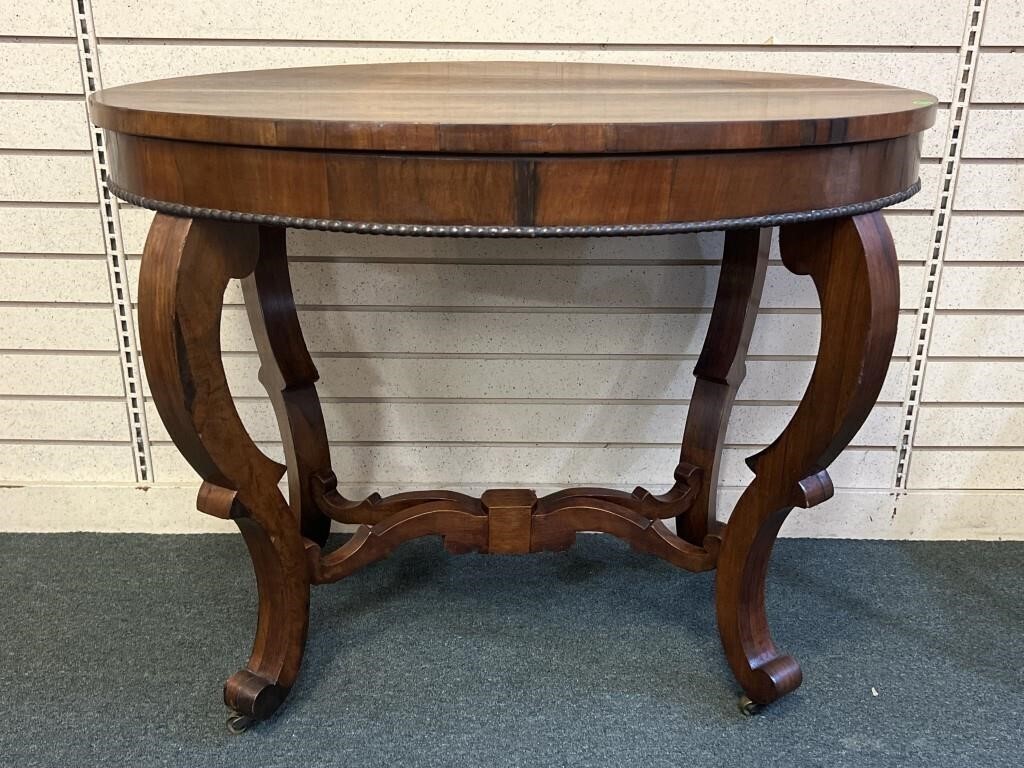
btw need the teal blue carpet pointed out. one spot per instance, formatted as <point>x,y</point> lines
<point>113,650</point>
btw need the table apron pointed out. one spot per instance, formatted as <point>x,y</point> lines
<point>514,191</point>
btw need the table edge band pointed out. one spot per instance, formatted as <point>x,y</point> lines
<point>182,210</point>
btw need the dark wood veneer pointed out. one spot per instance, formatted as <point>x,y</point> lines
<point>506,107</point>
<point>512,190</point>
<point>578,145</point>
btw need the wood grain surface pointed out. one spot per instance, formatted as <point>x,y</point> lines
<point>506,190</point>
<point>513,107</point>
<point>294,144</point>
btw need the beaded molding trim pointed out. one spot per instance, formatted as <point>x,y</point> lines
<point>468,230</point>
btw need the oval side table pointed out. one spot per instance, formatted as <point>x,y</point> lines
<point>479,149</point>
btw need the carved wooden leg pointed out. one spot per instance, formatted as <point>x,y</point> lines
<point>719,371</point>
<point>288,373</point>
<point>185,268</point>
<point>853,264</point>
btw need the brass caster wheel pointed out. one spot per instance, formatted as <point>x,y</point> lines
<point>240,723</point>
<point>749,707</point>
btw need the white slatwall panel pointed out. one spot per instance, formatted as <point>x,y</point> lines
<point>62,413</point>
<point>576,22</point>
<point>475,363</point>
<point>493,378</point>
<point>128,62</point>
<point>50,68</point>
<point>41,122</point>
<point>971,427</point>
<point>43,18</point>
<point>541,286</point>
<point>1005,25</point>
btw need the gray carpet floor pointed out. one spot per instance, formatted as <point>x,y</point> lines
<point>113,650</point>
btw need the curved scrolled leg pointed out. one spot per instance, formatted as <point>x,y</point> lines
<point>185,268</point>
<point>720,370</point>
<point>853,264</point>
<point>289,376</point>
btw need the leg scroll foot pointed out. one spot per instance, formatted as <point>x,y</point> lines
<point>186,267</point>
<point>853,264</point>
<point>252,696</point>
